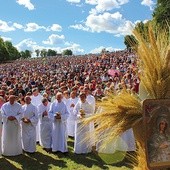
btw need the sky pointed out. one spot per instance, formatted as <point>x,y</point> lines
<point>83,26</point>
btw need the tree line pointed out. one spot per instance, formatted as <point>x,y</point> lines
<point>8,52</point>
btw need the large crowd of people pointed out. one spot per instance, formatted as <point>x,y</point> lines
<point>45,99</point>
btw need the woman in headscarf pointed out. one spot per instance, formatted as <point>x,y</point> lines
<point>159,145</point>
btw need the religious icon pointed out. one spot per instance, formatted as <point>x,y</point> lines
<point>157,132</point>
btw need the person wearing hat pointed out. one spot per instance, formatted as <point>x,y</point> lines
<point>159,144</point>
<point>11,133</point>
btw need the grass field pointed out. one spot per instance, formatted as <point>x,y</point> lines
<point>41,160</point>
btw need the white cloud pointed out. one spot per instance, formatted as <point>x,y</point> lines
<point>107,5</point>
<point>18,26</point>
<point>138,21</point>
<point>29,44</point>
<point>26,44</point>
<point>99,49</point>
<point>5,27</point>
<point>106,22</point>
<point>32,27</point>
<point>75,48</point>
<point>26,3</point>
<point>79,27</point>
<point>73,1</point>
<point>145,21</point>
<point>54,39</point>
<point>6,38</point>
<point>148,3</point>
<point>125,28</point>
<point>101,21</point>
<point>54,27</point>
<point>91,2</point>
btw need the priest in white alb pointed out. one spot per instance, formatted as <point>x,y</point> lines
<point>59,114</point>
<point>36,101</point>
<point>84,139</point>
<point>11,131</point>
<point>28,126</point>
<point>45,124</point>
<point>71,119</point>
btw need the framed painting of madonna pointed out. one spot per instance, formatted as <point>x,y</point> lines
<point>157,132</point>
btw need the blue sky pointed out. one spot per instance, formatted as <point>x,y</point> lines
<point>84,26</point>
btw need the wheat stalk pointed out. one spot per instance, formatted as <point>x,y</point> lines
<point>124,110</point>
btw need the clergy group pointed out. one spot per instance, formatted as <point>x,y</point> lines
<point>50,124</point>
<point>47,123</point>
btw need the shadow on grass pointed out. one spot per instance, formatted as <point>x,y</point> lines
<point>35,161</point>
<point>42,160</point>
<point>117,159</point>
<point>6,165</point>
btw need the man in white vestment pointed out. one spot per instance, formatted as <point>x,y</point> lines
<point>59,114</point>
<point>45,124</point>
<point>90,98</point>
<point>83,137</point>
<point>11,132</point>
<point>28,126</point>
<point>36,99</point>
<point>71,119</point>
<point>66,97</point>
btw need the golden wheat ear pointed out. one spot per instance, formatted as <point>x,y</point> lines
<point>154,61</point>
<point>124,111</point>
<point>117,114</point>
<point>139,159</point>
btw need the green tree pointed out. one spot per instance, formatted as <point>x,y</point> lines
<point>67,52</point>
<point>43,53</point>
<point>161,14</point>
<point>25,54</point>
<point>37,51</point>
<point>51,52</point>
<point>28,53</point>
<point>22,54</point>
<point>130,42</point>
<point>4,54</point>
<point>13,52</point>
<point>142,28</point>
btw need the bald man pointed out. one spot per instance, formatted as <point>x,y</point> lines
<point>11,133</point>
<point>28,126</point>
